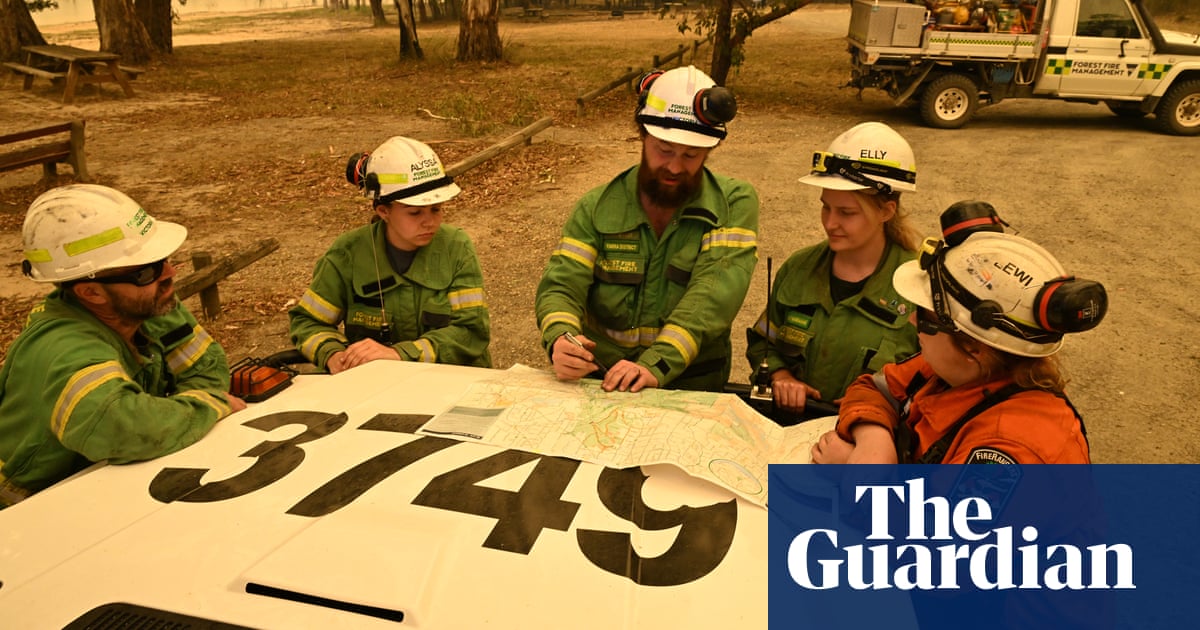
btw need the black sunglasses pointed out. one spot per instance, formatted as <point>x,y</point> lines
<point>929,324</point>
<point>142,276</point>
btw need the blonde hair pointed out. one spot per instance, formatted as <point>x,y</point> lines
<point>897,229</point>
<point>1029,372</point>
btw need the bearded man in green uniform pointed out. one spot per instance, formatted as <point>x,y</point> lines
<point>111,366</point>
<point>652,267</point>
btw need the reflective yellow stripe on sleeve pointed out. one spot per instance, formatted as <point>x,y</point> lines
<point>681,340</point>
<point>561,317</point>
<point>217,403</point>
<point>310,345</point>
<point>185,355</point>
<point>729,237</point>
<point>428,354</point>
<point>320,308</point>
<point>467,298</point>
<point>78,387</point>
<point>578,251</point>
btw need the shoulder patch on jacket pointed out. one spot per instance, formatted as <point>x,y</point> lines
<point>989,456</point>
<point>878,311</point>
<point>704,214</point>
<point>175,335</point>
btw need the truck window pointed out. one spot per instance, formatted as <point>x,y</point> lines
<point>1106,18</point>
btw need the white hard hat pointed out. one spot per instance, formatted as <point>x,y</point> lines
<point>684,106</point>
<point>870,156</point>
<point>1002,290</point>
<point>74,231</point>
<point>402,169</point>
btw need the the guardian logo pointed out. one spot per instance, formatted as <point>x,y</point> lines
<point>938,544</point>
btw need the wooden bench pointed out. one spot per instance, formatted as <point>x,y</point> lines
<point>130,71</point>
<point>30,72</point>
<point>50,153</point>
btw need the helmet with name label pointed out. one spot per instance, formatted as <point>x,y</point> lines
<point>1003,290</point>
<point>402,169</point>
<point>870,157</point>
<point>684,106</point>
<point>73,232</point>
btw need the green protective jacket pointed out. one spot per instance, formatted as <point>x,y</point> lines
<point>436,311</point>
<point>828,345</point>
<point>72,392</point>
<point>666,302</point>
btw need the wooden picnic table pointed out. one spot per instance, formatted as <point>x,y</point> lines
<point>76,65</point>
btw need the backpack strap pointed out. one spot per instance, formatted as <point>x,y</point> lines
<point>904,436</point>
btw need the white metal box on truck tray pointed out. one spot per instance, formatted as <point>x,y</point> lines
<point>883,23</point>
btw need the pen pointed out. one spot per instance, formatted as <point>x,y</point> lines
<point>599,366</point>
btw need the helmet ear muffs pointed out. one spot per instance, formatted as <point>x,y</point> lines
<point>714,106</point>
<point>356,168</point>
<point>643,86</point>
<point>965,218</point>
<point>985,313</point>
<point>1069,305</point>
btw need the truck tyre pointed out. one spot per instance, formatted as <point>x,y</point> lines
<point>1178,112</point>
<point>949,101</point>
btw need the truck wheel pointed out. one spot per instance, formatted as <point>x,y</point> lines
<point>1179,111</point>
<point>949,101</point>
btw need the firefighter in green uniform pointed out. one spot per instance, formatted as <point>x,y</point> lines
<point>406,287</point>
<point>653,266</point>
<point>833,312</point>
<point>110,366</point>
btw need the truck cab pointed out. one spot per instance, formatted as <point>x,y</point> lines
<point>971,53</point>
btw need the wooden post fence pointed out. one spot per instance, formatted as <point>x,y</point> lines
<point>207,274</point>
<point>625,79</point>
<point>523,136</point>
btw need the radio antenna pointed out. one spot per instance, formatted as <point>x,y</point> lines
<point>762,380</point>
<point>385,331</point>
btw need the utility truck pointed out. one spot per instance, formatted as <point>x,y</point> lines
<point>950,57</point>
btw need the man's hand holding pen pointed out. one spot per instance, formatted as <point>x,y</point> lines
<point>573,359</point>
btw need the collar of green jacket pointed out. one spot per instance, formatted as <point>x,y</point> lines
<point>61,304</point>
<point>878,300</point>
<point>431,267</point>
<point>619,210</point>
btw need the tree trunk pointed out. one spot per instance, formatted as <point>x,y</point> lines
<point>17,29</point>
<point>450,9</point>
<point>722,56</point>
<point>122,32</point>
<point>156,17</point>
<point>377,17</point>
<point>479,31</point>
<point>410,46</point>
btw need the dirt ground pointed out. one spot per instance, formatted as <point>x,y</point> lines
<point>1112,199</point>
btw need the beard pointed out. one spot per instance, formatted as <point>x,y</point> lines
<point>139,309</point>
<point>667,196</point>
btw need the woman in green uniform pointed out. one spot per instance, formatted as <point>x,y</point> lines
<point>406,287</point>
<point>833,313</point>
